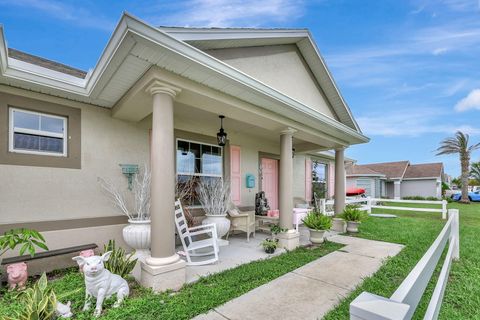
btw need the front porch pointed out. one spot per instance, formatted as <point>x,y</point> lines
<point>182,117</point>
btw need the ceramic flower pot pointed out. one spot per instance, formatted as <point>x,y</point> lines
<point>339,225</point>
<point>317,236</point>
<point>270,250</point>
<point>137,234</point>
<point>352,226</point>
<point>221,222</point>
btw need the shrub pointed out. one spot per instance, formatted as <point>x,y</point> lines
<point>119,263</point>
<point>420,198</point>
<point>29,239</point>
<point>39,302</point>
<point>269,244</point>
<point>317,221</point>
<point>352,213</point>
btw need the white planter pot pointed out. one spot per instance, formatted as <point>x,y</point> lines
<point>137,234</point>
<point>317,236</point>
<point>222,223</point>
<point>339,225</point>
<point>352,226</point>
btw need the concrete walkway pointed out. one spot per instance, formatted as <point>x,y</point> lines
<point>309,292</point>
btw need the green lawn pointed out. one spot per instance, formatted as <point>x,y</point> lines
<point>417,231</point>
<point>190,301</point>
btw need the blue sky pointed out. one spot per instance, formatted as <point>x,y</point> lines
<point>409,70</point>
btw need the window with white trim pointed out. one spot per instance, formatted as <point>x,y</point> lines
<point>37,133</point>
<point>197,161</point>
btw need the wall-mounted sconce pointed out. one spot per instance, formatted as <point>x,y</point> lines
<point>293,152</point>
<point>129,170</point>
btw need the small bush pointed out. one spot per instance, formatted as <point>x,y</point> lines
<point>353,213</point>
<point>119,263</point>
<point>40,302</point>
<point>317,221</point>
<point>420,198</point>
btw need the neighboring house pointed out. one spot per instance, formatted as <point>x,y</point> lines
<point>397,179</point>
<point>154,98</point>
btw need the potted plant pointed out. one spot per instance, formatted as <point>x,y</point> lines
<point>353,215</point>
<point>137,233</point>
<point>317,223</point>
<point>214,196</point>
<point>270,245</point>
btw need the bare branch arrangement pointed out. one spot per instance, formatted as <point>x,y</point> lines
<point>185,192</point>
<point>214,195</point>
<point>140,209</point>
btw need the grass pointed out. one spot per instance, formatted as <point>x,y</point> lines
<point>191,300</point>
<point>417,231</point>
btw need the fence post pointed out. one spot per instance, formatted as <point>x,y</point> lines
<point>444,209</point>
<point>368,306</point>
<point>369,205</point>
<point>323,206</point>
<point>455,233</point>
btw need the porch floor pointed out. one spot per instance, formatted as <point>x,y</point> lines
<point>308,292</point>
<point>239,252</point>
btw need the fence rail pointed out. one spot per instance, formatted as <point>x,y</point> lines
<point>366,204</point>
<point>404,301</point>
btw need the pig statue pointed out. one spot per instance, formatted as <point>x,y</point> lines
<point>85,254</point>
<point>63,310</point>
<point>17,275</point>
<point>101,283</point>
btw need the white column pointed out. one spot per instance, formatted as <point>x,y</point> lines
<point>339,180</point>
<point>290,239</point>
<point>163,269</point>
<point>397,190</point>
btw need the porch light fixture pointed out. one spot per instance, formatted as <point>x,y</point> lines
<point>221,135</point>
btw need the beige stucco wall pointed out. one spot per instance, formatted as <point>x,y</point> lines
<point>281,67</point>
<point>29,194</point>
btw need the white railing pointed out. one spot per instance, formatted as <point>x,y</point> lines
<point>404,301</point>
<point>368,203</point>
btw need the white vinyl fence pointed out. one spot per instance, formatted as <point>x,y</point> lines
<point>404,301</point>
<point>368,203</point>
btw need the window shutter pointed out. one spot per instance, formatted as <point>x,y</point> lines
<point>308,180</point>
<point>235,175</point>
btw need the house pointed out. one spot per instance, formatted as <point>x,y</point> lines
<point>155,97</point>
<point>397,179</point>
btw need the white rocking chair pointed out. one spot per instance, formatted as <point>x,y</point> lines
<point>191,246</point>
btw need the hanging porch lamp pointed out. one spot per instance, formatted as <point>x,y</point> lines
<point>221,135</point>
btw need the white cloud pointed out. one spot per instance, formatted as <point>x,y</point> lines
<point>411,123</point>
<point>471,101</point>
<point>229,13</point>
<point>76,14</point>
<point>439,51</point>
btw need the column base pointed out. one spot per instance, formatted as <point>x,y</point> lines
<point>160,278</point>
<point>289,240</point>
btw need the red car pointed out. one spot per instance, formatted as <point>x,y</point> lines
<point>355,191</point>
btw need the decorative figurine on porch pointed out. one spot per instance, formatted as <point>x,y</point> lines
<point>17,275</point>
<point>101,283</point>
<point>261,204</point>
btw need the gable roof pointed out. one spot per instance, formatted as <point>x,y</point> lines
<point>221,38</point>
<point>424,170</point>
<point>391,170</point>
<point>398,170</point>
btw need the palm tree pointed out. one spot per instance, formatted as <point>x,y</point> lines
<point>475,172</point>
<point>459,144</point>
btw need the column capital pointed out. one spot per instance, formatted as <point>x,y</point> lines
<point>341,148</point>
<point>158,87</point>
<point>289,131</point>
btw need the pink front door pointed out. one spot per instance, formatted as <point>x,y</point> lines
<point>270,181</point>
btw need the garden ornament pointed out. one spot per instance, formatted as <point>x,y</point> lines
<point>63,310</point>
<point>85,254</point>
<point>17,275</point>
<point>101,283</point>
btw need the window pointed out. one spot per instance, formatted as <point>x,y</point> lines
<point>319,179</point>
<point>37,133</point>
<point>196,161</point>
